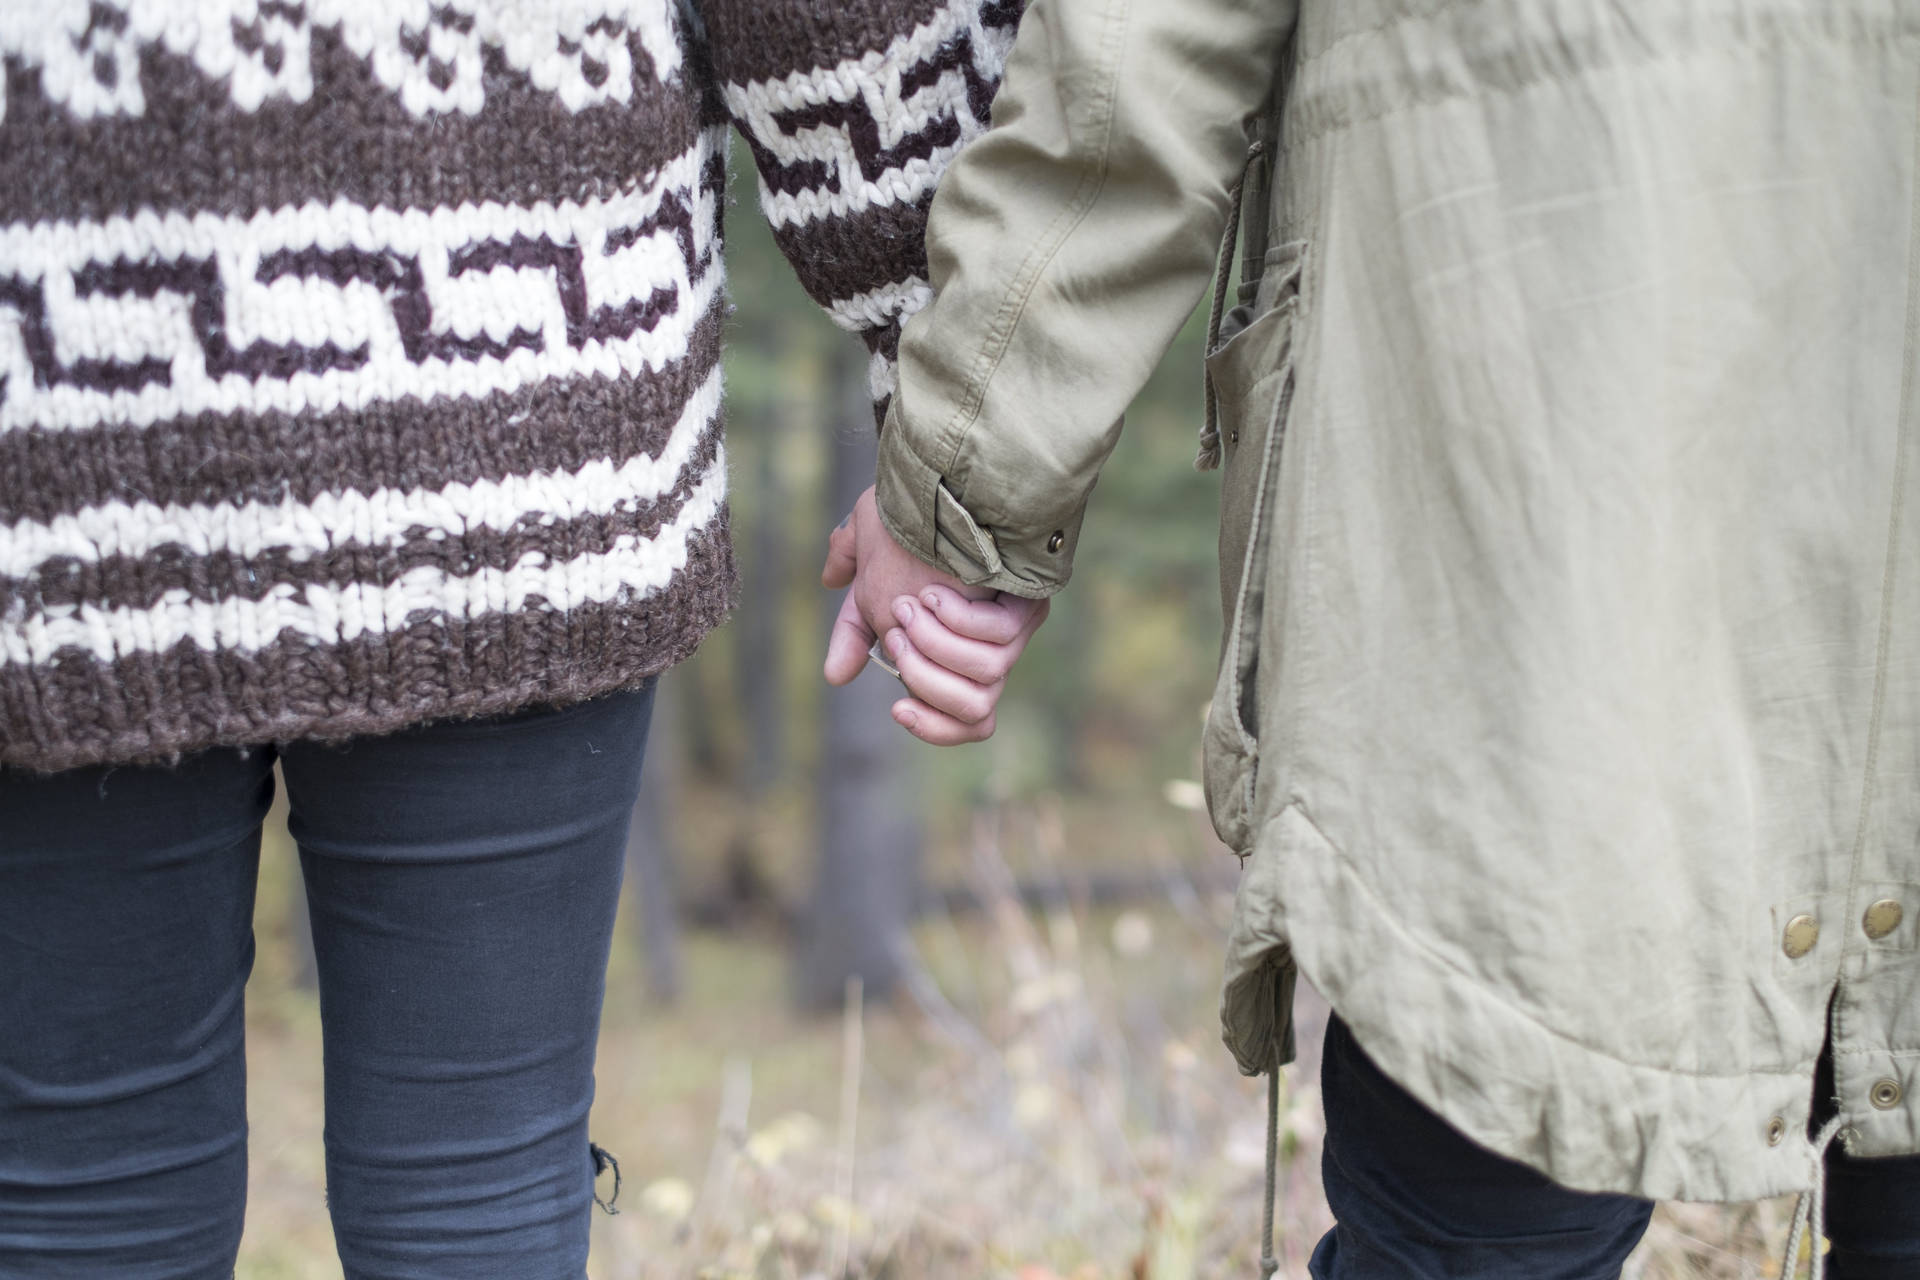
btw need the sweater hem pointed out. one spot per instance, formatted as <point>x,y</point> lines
<point>157,708</point>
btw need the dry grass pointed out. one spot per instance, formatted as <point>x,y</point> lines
<point>1048,1103</point>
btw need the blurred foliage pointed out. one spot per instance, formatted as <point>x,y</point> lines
<point>1108,700</point>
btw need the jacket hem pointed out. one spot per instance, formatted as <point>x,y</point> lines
<point>1586,1119</point>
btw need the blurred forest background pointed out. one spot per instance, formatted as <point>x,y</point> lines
<point>878,1010</point>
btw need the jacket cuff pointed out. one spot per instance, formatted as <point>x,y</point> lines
<point>921,512</point>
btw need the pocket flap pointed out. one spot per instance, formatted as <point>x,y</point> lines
<point>1256,997</point>
<point>1257,351</point>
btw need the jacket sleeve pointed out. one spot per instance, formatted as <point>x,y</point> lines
<point>1067,246</point>
<point>852,110</point>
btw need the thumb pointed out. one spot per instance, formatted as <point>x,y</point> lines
<point>848,645</point>
<point>842,557</point>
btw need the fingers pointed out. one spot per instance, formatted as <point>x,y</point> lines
<point>955,644</point>
<point>848,646</point>
<point>977,660</point>
<point>999,620</point>
<point>842,557</point>
<point>966,701</point>
<point>937,728</point>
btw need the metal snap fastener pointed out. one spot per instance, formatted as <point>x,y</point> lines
<point>1802,932</point>
<point>1776,1130</point>
<point>1057,541</point>
<point>1885,1094</point>
<point>1882,918</point>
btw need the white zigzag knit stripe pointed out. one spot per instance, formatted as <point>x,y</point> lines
<point>310,312</point>
<point>903,185</point>
<point>878,308</point>
<point>874,83</point>
<point>633,569</point>
<point>384,517</point>
<point>429,52</point>
<point>883,376</point>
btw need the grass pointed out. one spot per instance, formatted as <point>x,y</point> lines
<point>1051,1103</point>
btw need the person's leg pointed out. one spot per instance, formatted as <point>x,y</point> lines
<point>1872,1206</point>
<point>462,880</point>
<point>1873,1217</point>
<point>126,937</point>
<point>1417,1200</point>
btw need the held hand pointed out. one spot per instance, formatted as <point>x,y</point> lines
<point>953,644</point>
<point>954,655</point>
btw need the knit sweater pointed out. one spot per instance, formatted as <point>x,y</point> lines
<point>359,358</point>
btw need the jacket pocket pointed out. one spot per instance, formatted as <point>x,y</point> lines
<point>1252,376</point>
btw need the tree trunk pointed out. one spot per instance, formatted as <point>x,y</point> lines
<point>867,873</point>
<point>651,847</point>
<point>758,625</point>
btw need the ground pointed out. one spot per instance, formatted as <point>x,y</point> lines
<point>1048,1101</point>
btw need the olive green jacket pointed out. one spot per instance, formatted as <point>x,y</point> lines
<point>1569,716</point>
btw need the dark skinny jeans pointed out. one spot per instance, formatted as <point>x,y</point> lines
<point>1418,1200</point>
<point>461,881</point>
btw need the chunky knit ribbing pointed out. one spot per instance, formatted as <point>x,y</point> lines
<point>358,358</point>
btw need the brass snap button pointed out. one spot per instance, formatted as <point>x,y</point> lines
<point>1882,918</point>
<point>1802,932</point>
<point>1776,1130</point>
<point>1885,1094</point>
<point>1057,541</point>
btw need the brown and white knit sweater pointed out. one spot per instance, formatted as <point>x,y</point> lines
<point>359,358</point>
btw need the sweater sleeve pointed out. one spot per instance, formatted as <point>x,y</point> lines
<point>852,110</point>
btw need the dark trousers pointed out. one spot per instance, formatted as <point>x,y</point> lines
<point>1417,1200</point>
<point>461,881</point>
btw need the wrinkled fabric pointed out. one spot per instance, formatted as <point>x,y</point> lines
<point>1581,637</point>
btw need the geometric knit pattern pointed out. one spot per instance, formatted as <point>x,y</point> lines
<point>359,358</point>
<point>848,155</point>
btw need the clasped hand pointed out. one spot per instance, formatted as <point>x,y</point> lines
<point>953,644</point>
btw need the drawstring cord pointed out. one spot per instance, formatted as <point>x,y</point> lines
<point>1810,1211</point>
<point>1268,1263</point>
<point>1209,457</point>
